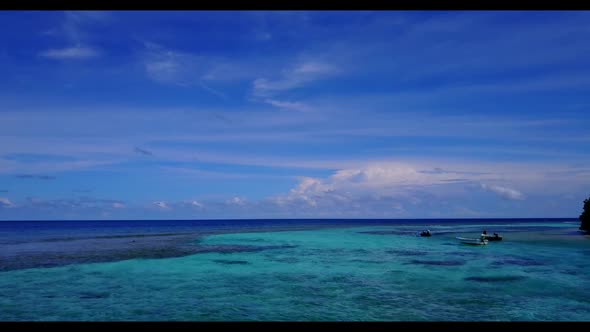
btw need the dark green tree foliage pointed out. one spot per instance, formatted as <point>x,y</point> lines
<point>585,216</point>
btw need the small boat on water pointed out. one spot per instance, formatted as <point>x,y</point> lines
<point>494,237</point>
<point>472,241</point>
<point>425,233</point>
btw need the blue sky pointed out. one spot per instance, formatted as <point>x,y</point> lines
<point>251,114</point>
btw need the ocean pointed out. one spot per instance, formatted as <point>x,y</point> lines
<point>293,270</point>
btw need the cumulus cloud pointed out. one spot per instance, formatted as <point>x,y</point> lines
<point>5,203</point>
<point>391,187</point>
<point>504,192</point>
<point>308,191</point>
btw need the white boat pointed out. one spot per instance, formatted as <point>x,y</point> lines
<point>472,241</point>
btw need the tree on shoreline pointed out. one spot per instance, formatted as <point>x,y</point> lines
<point>585,216</point>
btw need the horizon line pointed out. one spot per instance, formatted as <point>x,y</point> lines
<point>303,219</point>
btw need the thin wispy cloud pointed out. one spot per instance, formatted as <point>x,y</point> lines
<point>196,204</point>
<point>292,106</point>
<point>5,203</point>
<point>11,167</point>
<point>179,206</point>
<point>295,77</point>
<point>161,205</point>
<point>78,203</point>
<point>166,66</point>
<point>504,192</point>
<point>179,68</point>
<point>82,190</point>
<point>118,205</point>
<point>236,201</point>
<point>211,90</point>
<point>71,53</point>
<point>73,30</point>
<point>457,49</point>
<point>143,151</point>
<point>39,177</point>
<point>196,173</point>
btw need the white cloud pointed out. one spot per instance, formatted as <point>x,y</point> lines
<point>293,106</point>
<point>161,205</point>
<point>212,91</point>
<point>400,184</point>
<point>314,68</point>
<point>172,66</point>
<point>74,52</point>
<point>5,203</point>
<point>236,201</point>
<point>118,205</point>
<point>11,166</point>
<point>293,78</point>
<point>503,192</point>
<point>167,66</point>
<point>388,190</point>
<point>180,68</point>
<point>382,174</point>
<point>307,191</point>
<point>197,204</point>
<point>76,36</point>
<point>162,70</point>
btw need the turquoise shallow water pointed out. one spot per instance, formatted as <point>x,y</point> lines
<point>374,273</point>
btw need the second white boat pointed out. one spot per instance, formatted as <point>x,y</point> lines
<point>472,241</point>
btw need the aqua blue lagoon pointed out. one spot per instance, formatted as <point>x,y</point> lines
<point>293,270</point>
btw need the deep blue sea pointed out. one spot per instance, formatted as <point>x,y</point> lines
<point>293,270</point>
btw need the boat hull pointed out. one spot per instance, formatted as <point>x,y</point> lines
<point>476,242</point>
